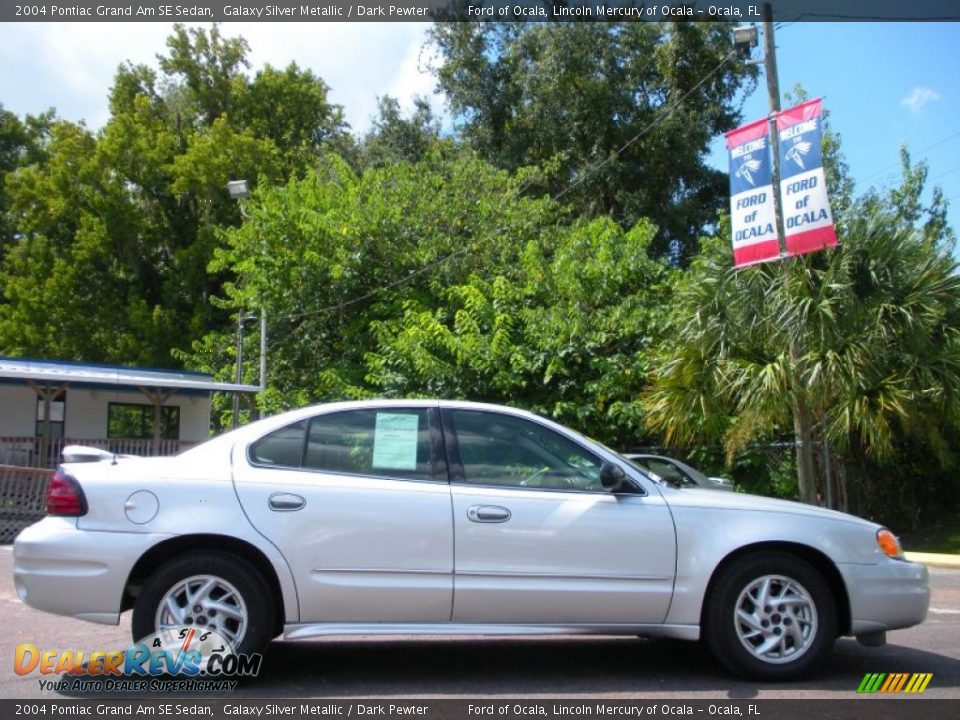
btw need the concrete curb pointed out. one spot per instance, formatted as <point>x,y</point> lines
<point>937,560</point>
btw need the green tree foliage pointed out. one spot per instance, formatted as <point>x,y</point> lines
<point>208,67</point>
<point>876,322</point>
<point>395,138</point>
<point>111,234</point>
<point>330,255</point>
<point>441,279</point>
<point>563,330</point>
<point>68,289</point>
<point>21,144</point>
<point>582,98</point>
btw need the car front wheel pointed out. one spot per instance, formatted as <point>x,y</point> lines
<point>772,616</point>
<point>209,591</point>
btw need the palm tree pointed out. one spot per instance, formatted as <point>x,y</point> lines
<point>858,346</point>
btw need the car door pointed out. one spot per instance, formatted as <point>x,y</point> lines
<point>359,504</point>
<point>537,537</point>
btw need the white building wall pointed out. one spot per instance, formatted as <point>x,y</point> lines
<point>194,417</point>
<point>18,411</point>
<point>86,412</point>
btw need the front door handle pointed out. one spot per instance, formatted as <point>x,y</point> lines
<point>286,502</point>
<point>488,513</point>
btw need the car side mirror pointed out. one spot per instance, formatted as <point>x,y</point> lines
<point>613,478</point>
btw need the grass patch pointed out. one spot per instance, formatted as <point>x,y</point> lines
<point>935,539</point>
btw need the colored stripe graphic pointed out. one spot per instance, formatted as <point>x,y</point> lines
<point>918,683</point>
<point>871,682</point>
<point>894,683</point>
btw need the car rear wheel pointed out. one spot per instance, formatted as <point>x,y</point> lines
<point>210,591</point>
<point>771,615</point>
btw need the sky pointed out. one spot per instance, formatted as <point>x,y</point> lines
<point>884,84</point>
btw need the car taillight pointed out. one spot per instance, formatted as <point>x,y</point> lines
<point>65,497</point>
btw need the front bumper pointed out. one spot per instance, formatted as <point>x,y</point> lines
<point>60,569</point>
<point>889,595</point>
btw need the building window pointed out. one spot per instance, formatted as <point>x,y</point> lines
<point>128,420</point>
<point>58,408</point>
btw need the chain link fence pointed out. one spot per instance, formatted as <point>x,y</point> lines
<point>771,469</point>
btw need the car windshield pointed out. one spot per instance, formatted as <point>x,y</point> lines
<point>646,471</point>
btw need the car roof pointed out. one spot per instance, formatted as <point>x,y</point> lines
<point>274,422</point>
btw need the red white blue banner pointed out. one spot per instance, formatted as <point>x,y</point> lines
<point>752,214</point>
<point>807,220</point>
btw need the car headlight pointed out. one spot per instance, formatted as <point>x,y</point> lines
<point>889,544</point>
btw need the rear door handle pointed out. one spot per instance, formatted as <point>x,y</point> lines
<point>488,513</point>
<point>286,502</point>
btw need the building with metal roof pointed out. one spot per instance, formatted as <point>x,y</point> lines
<point>45,404</point>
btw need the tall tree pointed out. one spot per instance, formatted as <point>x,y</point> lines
<point>877,320</point>
<point>138,207</point>
<point>332,254</point>
<point>622,112</point>
<point>440,278</point>
<point>395,138</point>
<point>205,66</point>
<point>22,144</point>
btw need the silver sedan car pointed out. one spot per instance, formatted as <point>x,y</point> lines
<point>676,473</point>
<point>433,517</point>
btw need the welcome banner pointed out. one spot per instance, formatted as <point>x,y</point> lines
<point>807,220</point>
<point>752,214</point>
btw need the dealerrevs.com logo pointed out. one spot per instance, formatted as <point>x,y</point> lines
<point>894,682</point>
<point>177,659</point>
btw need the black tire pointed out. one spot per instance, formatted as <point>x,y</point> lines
<point>802,628</point>
<point>253,592</point>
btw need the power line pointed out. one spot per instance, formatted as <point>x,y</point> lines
<point>656,121</point>
<point>922,150</point>
<point>588,173</point>
<point>945,172</point>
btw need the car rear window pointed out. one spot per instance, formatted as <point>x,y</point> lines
<point>283,447</point>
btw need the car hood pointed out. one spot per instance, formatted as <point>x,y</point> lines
<point>707,498</point>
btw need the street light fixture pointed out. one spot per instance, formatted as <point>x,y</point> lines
<point>238,189</point>
<point>745,39</point>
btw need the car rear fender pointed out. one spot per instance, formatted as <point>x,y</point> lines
<point>170,498</point>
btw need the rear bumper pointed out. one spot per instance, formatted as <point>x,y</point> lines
<point>889,595</point>
<point>81,573</point>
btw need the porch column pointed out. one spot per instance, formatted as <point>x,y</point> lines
<point>158,398</point>
<point>46,393</point>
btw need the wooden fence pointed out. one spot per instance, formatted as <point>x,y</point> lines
<point>29,451</point>
<point>22,502</point>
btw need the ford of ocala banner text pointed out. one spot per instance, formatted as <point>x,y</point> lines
<point>807,221</point>
<point>752,214</point>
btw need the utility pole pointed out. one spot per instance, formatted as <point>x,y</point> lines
<point>802,424</point>
<point>238,377</point>
<point>240,190</point>
<point>773,100</point>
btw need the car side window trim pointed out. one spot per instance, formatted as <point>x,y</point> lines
<point>458,473</point>
<point>454,463</point>
<point>438,456</point>
<point>438,450</point>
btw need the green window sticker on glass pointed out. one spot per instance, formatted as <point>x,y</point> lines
<point>395,441</point>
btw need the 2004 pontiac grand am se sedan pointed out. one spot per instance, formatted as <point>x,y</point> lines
<point>427,517</point>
